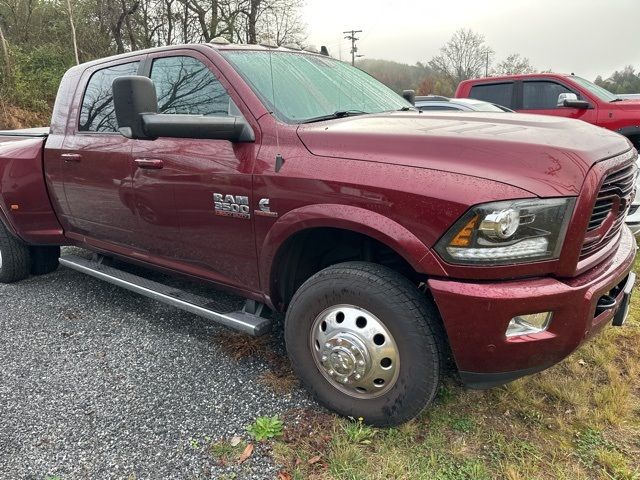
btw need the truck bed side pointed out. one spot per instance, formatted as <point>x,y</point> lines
<point>25,207</point>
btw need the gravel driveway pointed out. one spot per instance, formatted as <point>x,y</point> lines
<point>97,382</point>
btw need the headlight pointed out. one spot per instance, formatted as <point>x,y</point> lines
<point>514,231</point>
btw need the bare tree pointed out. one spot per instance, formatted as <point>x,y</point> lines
<point>281,21</point>
<point>463,57</point>
<point>120,13</point>
<point>514,64</point>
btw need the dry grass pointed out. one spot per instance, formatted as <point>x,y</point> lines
<point>577,420</point>
<point>279,378</point>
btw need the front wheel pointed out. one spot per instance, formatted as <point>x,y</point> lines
<point>365,342</point>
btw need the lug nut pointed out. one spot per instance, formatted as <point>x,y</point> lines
<point>328,345</point>
<point>358,376</point>
<point>324,358</point>
<point>361,362</point>
<point>332,373</point>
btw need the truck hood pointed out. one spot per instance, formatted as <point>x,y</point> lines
<point>547,156</point>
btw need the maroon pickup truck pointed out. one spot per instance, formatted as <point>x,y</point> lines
<point>393,240</point>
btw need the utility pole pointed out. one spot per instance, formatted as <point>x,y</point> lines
<point>354,49</point>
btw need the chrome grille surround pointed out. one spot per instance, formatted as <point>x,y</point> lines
<point>612,204</point>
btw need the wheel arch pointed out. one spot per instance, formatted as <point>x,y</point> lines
<point>277,251</point>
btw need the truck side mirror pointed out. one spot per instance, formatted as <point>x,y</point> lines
<point>570,100</point>
<point>409,96</point>
<point>133,96</point>
<point>136,106</point>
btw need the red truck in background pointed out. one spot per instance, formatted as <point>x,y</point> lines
<point>389,237</point>
<point>567,96</point>
<point>559,95</point>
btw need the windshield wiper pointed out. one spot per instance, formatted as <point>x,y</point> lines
<point>406,109</point>
<point>337,114</point>
<point>617,100</point>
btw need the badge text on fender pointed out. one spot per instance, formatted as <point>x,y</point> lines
<point>236,206</point>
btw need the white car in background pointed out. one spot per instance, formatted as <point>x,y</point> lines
<point>629,96</point>
<point>437,102</point>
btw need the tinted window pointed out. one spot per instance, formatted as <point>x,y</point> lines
<point>186,86</point>
<point>500,93</point>
<point>97,113</point>
<point>541,95</point>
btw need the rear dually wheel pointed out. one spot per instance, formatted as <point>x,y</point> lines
<point>14,258</point>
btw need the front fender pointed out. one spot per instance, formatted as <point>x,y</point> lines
<point>355,219</point>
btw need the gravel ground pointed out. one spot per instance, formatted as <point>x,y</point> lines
<point>97,382</point>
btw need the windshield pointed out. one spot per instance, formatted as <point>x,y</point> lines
<point>601,93</point>
<point>308,87</point>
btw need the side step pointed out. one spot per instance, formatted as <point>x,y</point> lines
<point>247,320</point>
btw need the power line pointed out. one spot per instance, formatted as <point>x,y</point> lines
<point>354,48</point>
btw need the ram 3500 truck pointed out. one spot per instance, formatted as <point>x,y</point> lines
<point>392,239</point>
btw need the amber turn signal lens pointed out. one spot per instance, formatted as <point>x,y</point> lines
<point>463,237</point>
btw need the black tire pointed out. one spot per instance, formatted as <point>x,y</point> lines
<point>14,258</point>
<point>410,317</point>
<point>44,259</point>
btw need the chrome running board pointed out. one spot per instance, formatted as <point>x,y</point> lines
<point>247,320</point>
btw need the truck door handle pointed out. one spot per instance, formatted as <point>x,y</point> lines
<point>153,163</point>
<point>71,157</point>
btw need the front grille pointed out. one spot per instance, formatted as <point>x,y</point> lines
<point>617,185</point>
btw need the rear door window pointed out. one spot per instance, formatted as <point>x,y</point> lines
<point>185,86</point>
<point>97,113</point>
<point>541,95</point>
<point>499,93</point>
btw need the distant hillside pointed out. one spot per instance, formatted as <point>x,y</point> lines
<point>397,76</point>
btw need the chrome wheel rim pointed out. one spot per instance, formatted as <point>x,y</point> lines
<point>355,351</point>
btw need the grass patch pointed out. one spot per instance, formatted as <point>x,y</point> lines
<point>225,452</point>
<point>265,428</point>
<point>579,420</point>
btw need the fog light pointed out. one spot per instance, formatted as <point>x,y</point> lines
<point>528,324</point>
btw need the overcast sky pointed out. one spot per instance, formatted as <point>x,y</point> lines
<point>587,37</point>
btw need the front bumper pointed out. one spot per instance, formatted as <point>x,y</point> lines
<point>476,316</point>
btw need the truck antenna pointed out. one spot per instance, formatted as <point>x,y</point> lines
<point>279,157</point>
